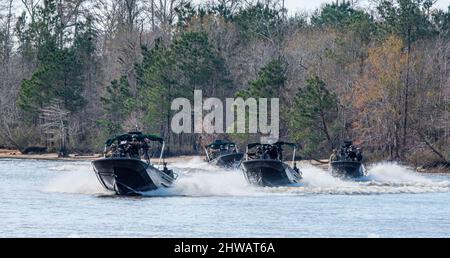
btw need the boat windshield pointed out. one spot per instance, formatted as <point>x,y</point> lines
<point>347,152</point>
<point>220,147</point>
<point>134,145</point>
<point>268,151</point>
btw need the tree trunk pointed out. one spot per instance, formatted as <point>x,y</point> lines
<point>325,130</point>
<point>436,151</point>
<point>405,117</point>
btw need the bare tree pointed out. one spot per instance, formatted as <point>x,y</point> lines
<point>31,6</point>
<point>54,124</point>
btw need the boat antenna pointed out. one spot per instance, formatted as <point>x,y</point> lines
<point>162,152</point>
<point>207,154</point>
<point>293,157</point>
<point>294,165</point>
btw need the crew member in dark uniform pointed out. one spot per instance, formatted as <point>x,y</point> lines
<point>145,147</point>
<point>272,152</point>
<point>359,156</point>
<point>352,153</point>
<point>280,152</point>
<point>133,148</point>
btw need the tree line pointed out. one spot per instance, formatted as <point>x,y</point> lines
<point>74,72</point>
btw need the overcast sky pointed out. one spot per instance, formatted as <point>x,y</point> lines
<point>310,5</point>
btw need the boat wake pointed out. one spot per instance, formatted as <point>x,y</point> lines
<point>382,178</point>
<point>76,178</point>
<point>198,179</point>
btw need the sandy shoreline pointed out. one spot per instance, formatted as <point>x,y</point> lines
<point>14,154</point>
<point>72,157</point>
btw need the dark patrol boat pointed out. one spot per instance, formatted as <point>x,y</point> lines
<point>223,154</point>
<point>347,162</point>
<point>264,165</point>
<point>126,168</point>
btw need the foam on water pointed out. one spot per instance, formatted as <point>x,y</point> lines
<point>74,178</point>
<point>198,178</point>
<point>216,183</point>
<point>382,178</point>
<point>193,165</point>
<point>389,172</point>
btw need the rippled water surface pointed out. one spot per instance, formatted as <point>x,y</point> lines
<point>64,199</point>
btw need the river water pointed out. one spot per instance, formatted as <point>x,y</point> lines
<point>64,199</point>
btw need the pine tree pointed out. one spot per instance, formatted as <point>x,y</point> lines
<point>313,115</point>
<point>269,82</point>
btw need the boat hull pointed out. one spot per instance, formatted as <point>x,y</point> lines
<point>347,169</point>
<point>271,173</point>
<point>232,160</point>
<point>127,176</point>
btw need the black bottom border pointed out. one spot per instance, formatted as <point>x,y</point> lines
<point>218,247</point>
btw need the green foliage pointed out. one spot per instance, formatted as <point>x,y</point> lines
<point>157,81</point>
<point>200,64</point>
<point>60,71</point>
<point>270,81</point>
<point>344,18</point>
<point>166,73</point>
<point>313,114</point>
<point>408,19</point>
<point>441,21</point>
<point>259,21</point>
<point>59,60</point>
<point>335,15</point>
<point>39,37</point>
<point>225,9</point>
<point>185,13</point>
<point>84,42</point>
<point>25,38</point>
<point>109,127</point>
<point>119,102</point>
<point>58,76</point>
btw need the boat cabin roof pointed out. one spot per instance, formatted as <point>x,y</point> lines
<point>219,144</point>
<point>129,137</point>
<point>278,144</point>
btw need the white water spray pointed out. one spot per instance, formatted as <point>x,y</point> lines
<point>198,178</point>
<point>75,178</point>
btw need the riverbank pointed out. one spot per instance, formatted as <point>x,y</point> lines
<point>15,154</point>
<point>323,164</point>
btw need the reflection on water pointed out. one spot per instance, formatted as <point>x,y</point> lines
<point>52,198</point>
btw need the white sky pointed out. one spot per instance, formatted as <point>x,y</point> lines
<point>294,6</point>
<point>310,5</point>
